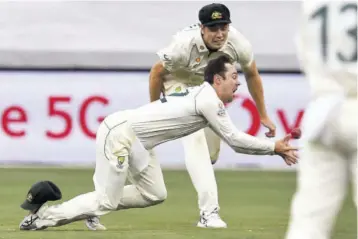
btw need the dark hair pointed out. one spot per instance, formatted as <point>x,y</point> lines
<point>216,66</point>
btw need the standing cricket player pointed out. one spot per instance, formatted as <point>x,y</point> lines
<point>182,65</point>
<point>327,47</point>
<point>125,138</point>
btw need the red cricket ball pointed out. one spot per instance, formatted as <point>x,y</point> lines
<point>296,133</point>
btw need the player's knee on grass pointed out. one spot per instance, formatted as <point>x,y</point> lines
<point>159,195</point>
<point>156,194</point>
<point>106,204</point>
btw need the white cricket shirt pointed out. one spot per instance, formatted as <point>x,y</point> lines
<point>187,56</point>
<point>174,117</point>
<point>327,46</point>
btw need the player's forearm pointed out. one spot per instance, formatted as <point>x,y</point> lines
<point>244,143</point>
<point>240,142</point>
<point>155,86</point>
<point>256,90</point>
<point>257,93</point>
<point>156,81</point>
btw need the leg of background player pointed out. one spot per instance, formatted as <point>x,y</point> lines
<point>213,141</point>
<point>198,164</point>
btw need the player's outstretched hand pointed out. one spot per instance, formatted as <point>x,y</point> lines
<point>286,151</point>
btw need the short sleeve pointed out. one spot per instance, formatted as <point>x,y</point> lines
<point>173,56</point>
<point>242,47</point>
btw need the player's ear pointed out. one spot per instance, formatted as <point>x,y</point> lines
<point>201,28</point>
<point>217,79</point>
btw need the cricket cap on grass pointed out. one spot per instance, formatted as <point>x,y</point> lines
<point>40,193</point>
<point>215,13</point>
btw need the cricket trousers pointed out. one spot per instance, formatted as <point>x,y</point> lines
<point>328,162</point>
<point>119,156</point>
<point>201,150</point>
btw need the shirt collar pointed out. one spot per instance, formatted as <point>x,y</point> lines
<point>199,42</point>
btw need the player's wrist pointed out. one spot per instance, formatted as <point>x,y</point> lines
<point>277,148</point>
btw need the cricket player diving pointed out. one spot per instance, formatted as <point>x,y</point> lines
<point>327,49</point>
<point>181,65</point>
<point>124,142</point>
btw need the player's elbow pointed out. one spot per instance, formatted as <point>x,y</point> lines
<point>157,72</point>
<point>251,72</point>
<point>156,76</point>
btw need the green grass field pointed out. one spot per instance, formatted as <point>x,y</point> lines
<point>254,204</point>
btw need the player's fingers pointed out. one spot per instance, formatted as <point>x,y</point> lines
<point>270,134</point>
<point>295,153</point>
<point>290,148</point>
<point>288,162</point>
<point>292,158</point>
<point>287,138</point>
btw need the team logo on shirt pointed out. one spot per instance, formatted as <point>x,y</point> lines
<point>120,161</point>
<point>221,111</point>
<point>216,15</point>
<point>177,89</point>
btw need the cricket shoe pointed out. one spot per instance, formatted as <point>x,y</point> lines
<point>211,220</point>
<point>94,224</point>
<point>29,223</point>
